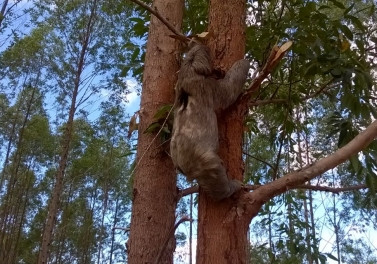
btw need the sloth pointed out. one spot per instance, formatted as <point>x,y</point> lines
<point>195,139</point>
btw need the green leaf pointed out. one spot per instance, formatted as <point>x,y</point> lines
<point>313,69</point>
<point>356,22</point>
<point>154,127</point>
<point>355,163</point>
<point>360,46</point>
<point>371,182</point>
<point>347,32</point>
<point>348,9</point>
<point>163,111</point>
<point>338,4</point>
<point>331,256</point>
<point>336,73</point>
<point>135,54</point>
<point>324,7</point>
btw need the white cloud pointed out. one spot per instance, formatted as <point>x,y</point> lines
<point>132,87</point>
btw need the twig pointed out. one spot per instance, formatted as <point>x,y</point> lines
<point>187,191</point>
<point>150,144</point>
<point>125,229</point>
<point>171,233</point>
<point>336,190</point>
<point>324,87</point>
<point>258,159</point>
<point>155,12</point>
<point>319,91</point>
<point>253,187</point>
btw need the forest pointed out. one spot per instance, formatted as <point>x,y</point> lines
<point>86,96</point>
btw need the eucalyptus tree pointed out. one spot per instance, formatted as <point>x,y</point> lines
<point>32,149</point>
<point>82,32</point>
<point>24,153</point>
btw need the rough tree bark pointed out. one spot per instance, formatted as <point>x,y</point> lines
<point>219,240</point>
<point>154,188</point>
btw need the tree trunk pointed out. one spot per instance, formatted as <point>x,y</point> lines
<point>221,239</point>
<point>54,203</point>
<point>9,215</point>
<point>154,187</point>
<point>2,11</point>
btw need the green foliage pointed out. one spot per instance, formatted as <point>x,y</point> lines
<point>163,123</point>
<point>195,16</point>
<point>326,91</point>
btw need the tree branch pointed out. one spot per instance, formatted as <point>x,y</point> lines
<point>258,159</point>
<point>298,178</point>
<point>250,187</point>
<point>125,229</point>
<point>188,191</point>
<point>170,235</point>
<point>155,12</point>
<point>276,54</point>
<point>336,190</point>
<point>324,87</point>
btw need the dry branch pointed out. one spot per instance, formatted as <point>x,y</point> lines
<point>276,54</point>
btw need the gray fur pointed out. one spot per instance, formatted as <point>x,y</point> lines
<point>195,142</point>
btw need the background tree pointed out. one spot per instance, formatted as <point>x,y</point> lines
<point>154,187</point>
<point>61,57</point>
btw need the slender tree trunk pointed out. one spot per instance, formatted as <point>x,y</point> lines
<point>12,135</point>
<point>307,232</point>
<point>306,209</point>
<point>54,202</point>
<point>190,233</point>
<point>336,225</point>
<point>154,188</point>
<point>221,240</point>
<point>310,196</point>
<point>2,11</point>
<point>115,221</point>
<point>24,203</point>
<point>9,213</point>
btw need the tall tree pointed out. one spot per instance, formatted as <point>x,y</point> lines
<point>154,186</point>
<point>84,30</point>
<point>223,226</point>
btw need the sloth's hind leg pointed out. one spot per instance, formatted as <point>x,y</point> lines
<point>213,179</point>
